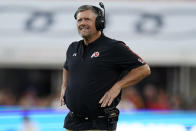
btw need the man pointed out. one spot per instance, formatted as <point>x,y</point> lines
<point>97,68</point>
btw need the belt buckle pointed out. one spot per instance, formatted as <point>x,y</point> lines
<point>100,116</point>
<point>86,118</point>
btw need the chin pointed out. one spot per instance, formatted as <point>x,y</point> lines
<point>84,35</point>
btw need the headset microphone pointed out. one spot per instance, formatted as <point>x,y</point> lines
<point>102,6</point>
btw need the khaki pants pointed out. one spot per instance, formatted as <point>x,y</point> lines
<point>89,130</point>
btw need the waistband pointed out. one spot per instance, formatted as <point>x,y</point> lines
<point>85,117</point>
<point>107,113</point>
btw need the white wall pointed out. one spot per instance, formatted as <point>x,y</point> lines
<point>37,33</point>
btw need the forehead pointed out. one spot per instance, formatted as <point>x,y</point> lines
<point>86,14</point>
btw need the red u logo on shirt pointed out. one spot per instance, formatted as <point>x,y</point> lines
<point>95,54</point>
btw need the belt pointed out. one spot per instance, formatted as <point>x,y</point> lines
<point>110,115</point>
<point>84,117</point>
<point>109,121</point>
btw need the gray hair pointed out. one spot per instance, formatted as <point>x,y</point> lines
<point>94,9</point>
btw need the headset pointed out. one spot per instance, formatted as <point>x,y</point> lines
<point>100,19</point>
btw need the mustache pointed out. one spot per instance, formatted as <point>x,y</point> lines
<point>83,26</point>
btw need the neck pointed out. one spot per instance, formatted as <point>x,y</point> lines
<point>92,38</point>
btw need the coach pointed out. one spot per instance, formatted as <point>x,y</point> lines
<point>97,68</point>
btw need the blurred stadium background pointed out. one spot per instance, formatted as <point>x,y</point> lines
<point>35,34</point>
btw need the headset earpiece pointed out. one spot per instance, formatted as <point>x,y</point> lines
<point>100,23</point>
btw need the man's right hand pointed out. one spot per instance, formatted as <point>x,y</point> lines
<point>62,102</point>
<point>63,87</point>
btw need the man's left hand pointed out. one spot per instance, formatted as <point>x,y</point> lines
<point>109,96</point>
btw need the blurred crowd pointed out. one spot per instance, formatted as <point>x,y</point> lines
<point>150,97</point>
<point>28,98</point>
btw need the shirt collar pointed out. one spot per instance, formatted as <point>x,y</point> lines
<point>98,40</point>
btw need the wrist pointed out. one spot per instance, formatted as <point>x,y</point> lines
<point>118,86</point>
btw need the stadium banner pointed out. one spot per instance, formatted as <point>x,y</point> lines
<point>37,33</point>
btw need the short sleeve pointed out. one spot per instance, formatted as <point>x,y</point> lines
<point>66,63</point>
<point>124,58</point>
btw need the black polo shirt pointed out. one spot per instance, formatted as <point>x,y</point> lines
<point>93,70</point>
